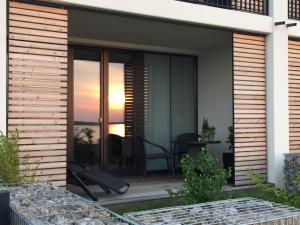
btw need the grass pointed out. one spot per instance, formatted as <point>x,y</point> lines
<point>169,202</point>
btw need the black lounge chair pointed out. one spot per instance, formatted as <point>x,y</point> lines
<point>84,176</point>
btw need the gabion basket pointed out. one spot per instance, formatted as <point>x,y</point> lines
<point>291,168</point>
<point>243,211</point>
<point>46,204</point>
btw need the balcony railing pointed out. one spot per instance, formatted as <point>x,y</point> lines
<point>294,9</point>
<point>253,6</point>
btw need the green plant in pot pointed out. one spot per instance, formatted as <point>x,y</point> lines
<point>208,132</point>
<point>211,134</point>
<point>205,129</point>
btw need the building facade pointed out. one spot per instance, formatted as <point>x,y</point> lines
<point>245,54</point>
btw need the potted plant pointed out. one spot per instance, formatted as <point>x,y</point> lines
<point>211,134</point>
<point>205,129</point>
<point>208,132</point>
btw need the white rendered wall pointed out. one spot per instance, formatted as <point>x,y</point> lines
<point>215,94</point>
<point>3,65</point>
<point>277,94</point>
<point>181,11</point>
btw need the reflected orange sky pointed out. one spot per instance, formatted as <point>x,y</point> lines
<point>86,91</point>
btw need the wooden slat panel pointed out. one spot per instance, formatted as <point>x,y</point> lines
<point>249,106</point>
<point>294,95</point>
<point>37,87</point>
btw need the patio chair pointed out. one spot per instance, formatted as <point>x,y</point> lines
<point>180,145</point>
<point>84,176</point>
<point>116,148</point>
<point>163,154</point>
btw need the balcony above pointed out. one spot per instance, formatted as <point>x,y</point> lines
<point>253,6</point>
<point>294,9</point>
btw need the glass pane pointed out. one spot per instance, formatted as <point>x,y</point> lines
<point>86,112</point>
<point>119,141</point>
<point>183,96</point>
<point>157,105</point>
<point>116,99</point>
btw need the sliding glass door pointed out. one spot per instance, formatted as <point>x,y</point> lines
<point>103,113</point>
<point>118,95</point>
<point>171,107</point>
<point>120,114</point>
<point>86,108</point>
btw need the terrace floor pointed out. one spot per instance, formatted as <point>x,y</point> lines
<point>153,188</point>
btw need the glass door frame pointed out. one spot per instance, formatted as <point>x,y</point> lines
<point>104,104</point>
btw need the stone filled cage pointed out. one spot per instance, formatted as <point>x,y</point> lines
<point>291,168</point>
<point>46,204</point>
<point>244,211</point>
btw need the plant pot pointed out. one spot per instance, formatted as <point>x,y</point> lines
<point>204,138</point>
<point>211,137</point>
<point>4,208</point>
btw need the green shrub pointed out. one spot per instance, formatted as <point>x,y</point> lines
<point>10,161</point>
<point>275,194</point>
<point>204,179</point>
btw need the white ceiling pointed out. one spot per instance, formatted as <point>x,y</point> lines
<point>123,29</point>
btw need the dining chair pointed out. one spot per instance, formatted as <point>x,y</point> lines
<point>181,145</point>
<point>162,154</point>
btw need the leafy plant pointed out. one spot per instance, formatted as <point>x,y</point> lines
<point>212,130</point>
<point>84,148</point>
<point>204,179</point>
<point>207,129</point>
<point>10,162</point>
<point>275,194</point>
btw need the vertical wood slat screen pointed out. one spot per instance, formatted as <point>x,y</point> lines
<point>294,95</point>
<point>249,106</point>
<point>129,107</point>
<point>37,92</point>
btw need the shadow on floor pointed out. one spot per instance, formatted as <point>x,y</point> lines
<point>153,187</point>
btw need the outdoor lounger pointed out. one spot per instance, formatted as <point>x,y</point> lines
<point>107,182</point>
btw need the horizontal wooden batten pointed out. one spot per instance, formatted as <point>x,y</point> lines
<point>35,38</point>
<point>294,95</point>
<point>249,85</point>
<point>37,87</point>
<point>35,13</point>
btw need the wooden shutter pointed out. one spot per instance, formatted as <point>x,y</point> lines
<point>249,106</point>
<point>294,95</point>
<point>37,91</point>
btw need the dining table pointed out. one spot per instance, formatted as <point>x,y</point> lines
<point>194,147</point>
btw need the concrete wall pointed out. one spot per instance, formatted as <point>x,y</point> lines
<point>3,65</point>
<point>215,94</point>
<point>182,12</point>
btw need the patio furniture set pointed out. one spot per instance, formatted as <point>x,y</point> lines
<point>82,174</point>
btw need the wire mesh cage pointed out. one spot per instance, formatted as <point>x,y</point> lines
<point>243,211</point>
<point>46,204</point>
<point>291,168</point>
